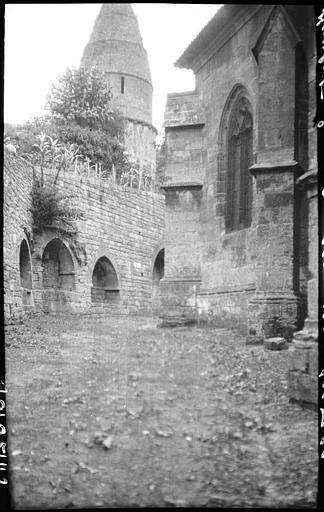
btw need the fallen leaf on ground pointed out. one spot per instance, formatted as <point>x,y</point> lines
<point>82,466</point>
<point>162,433</point>
<point>76,400</point>
<point>108,442</point>
<point>174,501</point>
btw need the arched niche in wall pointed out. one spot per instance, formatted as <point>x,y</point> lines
<point>158,274</point>
<point>158,267</point>
<point>105,282</point>
<point>25,266</point>
<point>58,266</point>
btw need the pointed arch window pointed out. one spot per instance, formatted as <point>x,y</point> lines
<point>239,158</point>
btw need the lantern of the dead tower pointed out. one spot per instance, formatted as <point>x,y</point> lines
<point>116,47</point>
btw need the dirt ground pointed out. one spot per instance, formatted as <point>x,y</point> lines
<point>117,412</point>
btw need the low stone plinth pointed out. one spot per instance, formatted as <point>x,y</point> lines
<point>303,388</point>
<point>254,340</point>
<point>176,321</point>
<point>275,344</point>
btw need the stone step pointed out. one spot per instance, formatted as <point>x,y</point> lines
<point>176,321</point>
<point>277,343</point>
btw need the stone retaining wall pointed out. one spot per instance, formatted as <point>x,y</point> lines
<point>123,225</point>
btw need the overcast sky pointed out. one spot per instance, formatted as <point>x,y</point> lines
<point>41,40</point>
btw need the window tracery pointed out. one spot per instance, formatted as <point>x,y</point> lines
<point>239,158</point>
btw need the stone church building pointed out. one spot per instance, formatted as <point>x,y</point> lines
<point>241,198</point>
<point>234,240</point>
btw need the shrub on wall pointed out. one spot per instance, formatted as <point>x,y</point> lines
<point>52,208</point>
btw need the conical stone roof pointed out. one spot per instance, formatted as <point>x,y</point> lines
<point>115,45</point>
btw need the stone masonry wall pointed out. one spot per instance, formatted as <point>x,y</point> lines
<point>255,275</point>
<point>303,362</point>
<point>140,143</point>
<point>126,226</point>
<point>229,257</point>
<point>192,120</point>
<point>184,117</point>
<point>17,180</point>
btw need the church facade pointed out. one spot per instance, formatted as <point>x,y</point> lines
<point>241,197</point>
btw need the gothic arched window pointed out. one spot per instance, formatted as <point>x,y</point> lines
<point>239,159</point>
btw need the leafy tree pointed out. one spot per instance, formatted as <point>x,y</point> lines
<point>82,96</point>
<point>81,114</point>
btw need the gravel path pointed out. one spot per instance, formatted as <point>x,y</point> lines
<point>117,412</point>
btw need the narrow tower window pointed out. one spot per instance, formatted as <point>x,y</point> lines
<point>122,85</point>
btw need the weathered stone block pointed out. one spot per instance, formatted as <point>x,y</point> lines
<point>303,387</point>
<point>275,344</point>
<point>313,361</point>
<point>299,360</point>
<point>177,321</point>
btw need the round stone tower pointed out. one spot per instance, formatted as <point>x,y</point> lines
<point>116,47</point>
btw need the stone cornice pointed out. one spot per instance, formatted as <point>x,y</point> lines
<point>183,93</point>
<point>234,288</point>
<point>132,75</point>
<point>185,279</point>
<point>264,167</point>
<point>274,296</point>
<point>183,185</point>
<point>177,125</point>
<point>139,121</point>
<point>309,178</point>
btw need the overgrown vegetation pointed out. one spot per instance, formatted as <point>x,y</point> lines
<point>79,116</point>
<point>82,131</point>
<point>81,112</point>
<point>52,208</point>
